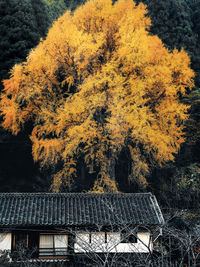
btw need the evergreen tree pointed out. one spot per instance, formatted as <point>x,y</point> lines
<point>73,4</point>
<point>41,16</point>
<point>172,22</point>
<point>195,6</point>
<point>22,24</point>
<point>55,8</point>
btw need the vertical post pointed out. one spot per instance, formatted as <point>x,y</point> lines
<point>54,252</point>
<point>13,240</point>
<point>162,252</point>
<point>27,240</point>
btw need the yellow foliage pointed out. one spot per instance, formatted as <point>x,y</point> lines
<point>104,185</point>
<point>98,83</point>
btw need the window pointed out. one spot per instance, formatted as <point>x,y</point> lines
<point>25,243</point>
<point>92,237</point>
<point>53,245</point>
<point>20,240</point>
<point>128,237</point>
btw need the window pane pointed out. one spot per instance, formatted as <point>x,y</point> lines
<point>61,243</point>
<point>46,241</point>
<point>46,245</point>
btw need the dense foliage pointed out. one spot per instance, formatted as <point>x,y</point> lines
<point>98,83</point>
<point>19,32</point>
<point>23,23</point>
<point>176,22</point>
<point>55,8</point>
<point>73,4</point>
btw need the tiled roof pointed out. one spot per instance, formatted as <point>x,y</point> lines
<point>79,209</point>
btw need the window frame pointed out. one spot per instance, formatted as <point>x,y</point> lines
<point>53,253</point>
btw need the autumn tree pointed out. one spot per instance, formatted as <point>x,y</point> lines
<point>176,23</point>
<point>98,83</point>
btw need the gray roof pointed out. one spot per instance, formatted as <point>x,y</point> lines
<point>78,209</point>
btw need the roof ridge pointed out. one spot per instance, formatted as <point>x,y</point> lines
<point>46,194</point>
<point>157,210</point>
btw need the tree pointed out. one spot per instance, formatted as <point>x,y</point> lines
<point>55,8</point>
<point>73,4</point>
<point>193,134</point>
<point>180,239</point>
<point>41,16</point>
<point>20,31</point>
<point>195,6</point>
<point>98,83</point>
<point>172,22</point>
<point>176,23</point>
<point>23,23</point>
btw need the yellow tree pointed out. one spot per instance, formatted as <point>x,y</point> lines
<point>98,83</point>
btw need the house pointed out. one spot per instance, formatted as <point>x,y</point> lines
<point>56,225</point>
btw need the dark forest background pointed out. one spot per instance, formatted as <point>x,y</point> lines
<point>177,23</point>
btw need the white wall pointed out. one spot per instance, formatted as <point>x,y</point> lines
<point>5,241</point>
<point>144,241</point>
<point>113,245</point>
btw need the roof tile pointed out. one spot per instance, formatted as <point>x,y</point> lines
<point>62,209</point>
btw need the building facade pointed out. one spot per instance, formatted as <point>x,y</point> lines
<point>57,225</point>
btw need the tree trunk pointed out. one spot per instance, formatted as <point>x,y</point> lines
<point>111,166</point>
